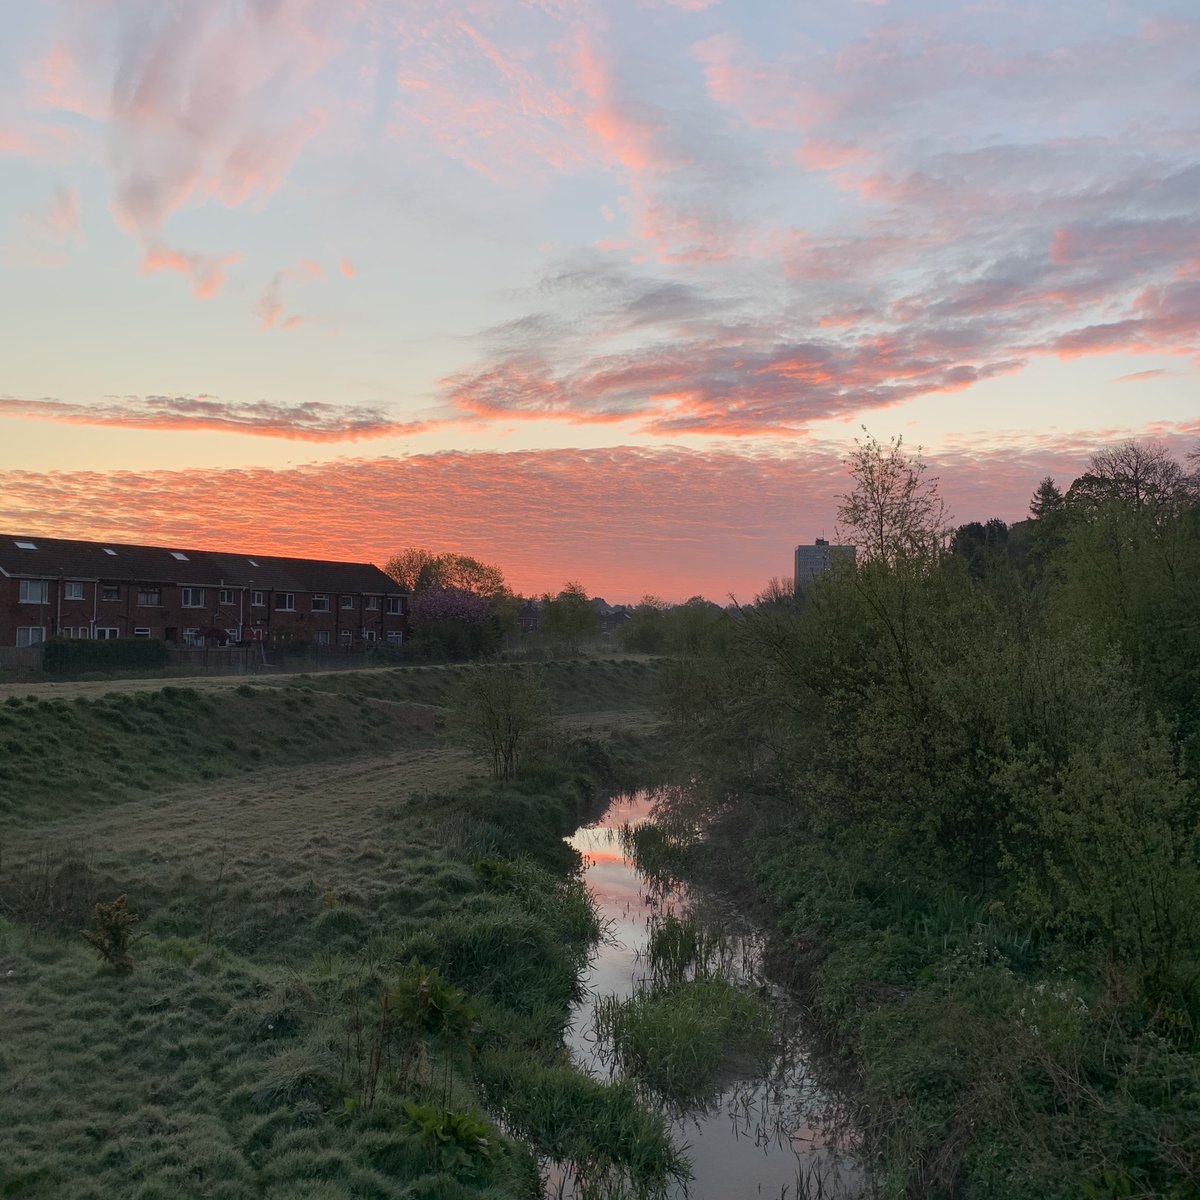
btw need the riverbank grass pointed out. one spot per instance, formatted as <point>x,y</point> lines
<point>683,1040</point>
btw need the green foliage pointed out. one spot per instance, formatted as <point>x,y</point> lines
<point>63,657</point>
<point>683,1039</point>
<point>111,933</point>
<point>503,715</point>
<point>235,1066</point>
<point>568,618</point>
<point>971,786</point>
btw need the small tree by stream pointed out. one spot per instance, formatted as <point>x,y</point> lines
<point>503,714</point>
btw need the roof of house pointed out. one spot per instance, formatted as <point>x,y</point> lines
<point>40,557</point>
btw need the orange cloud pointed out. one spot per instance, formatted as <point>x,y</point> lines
<point>623,520</point>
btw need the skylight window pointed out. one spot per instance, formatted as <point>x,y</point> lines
<point>179,554</point>
<point>25,545</point>
<point>252,562</point>
<point>110,553</point>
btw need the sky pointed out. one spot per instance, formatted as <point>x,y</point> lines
<point>596,290</point>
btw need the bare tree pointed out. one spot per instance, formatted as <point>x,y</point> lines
<point>1143,478</point>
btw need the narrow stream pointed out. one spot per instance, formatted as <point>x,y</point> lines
<point>765,1136</point>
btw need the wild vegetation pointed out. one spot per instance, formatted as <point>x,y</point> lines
<point>964,777</point>
<point>318,981</point>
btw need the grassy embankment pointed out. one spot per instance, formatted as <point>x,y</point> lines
<point>343,973</point>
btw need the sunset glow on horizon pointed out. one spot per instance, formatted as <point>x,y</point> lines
<point>597,291</point>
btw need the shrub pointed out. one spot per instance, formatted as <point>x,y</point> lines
<point>111,934</point>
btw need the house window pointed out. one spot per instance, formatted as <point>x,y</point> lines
<point>372,603</point>
<point>322,637</point>
<point>106,633</point>
<point>191,637</point>
<point>30,635</point>
<point>22,545</point>
<point>347,601</point>
<point>34,591</point>
<point>395,637</point>
<point>225,596</point>
<point>72,590</point>
<point>285,602</point>
<point>110,591</point>
<point>347,635</point>
<point>179,555</point>
<point>258,599</point>
<point>82,632</point>
<point>395,606</point>
<point>141,631</point>
<point>233,636</point>
<point>193,597</point>
<point>320,603</point>
<point>149,597</point>
<point>110,553</point>
<point>369,635</point>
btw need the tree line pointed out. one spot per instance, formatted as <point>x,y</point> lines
<point>1003,722</point>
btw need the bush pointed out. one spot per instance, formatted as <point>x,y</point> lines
<point>62,657</point>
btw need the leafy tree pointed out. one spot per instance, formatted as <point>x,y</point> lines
<point>503,714</point>
<point>645,632</point>
<point>981,545</point>
<point>893,512</point>
<point>570,617</point>
<point>419,570</point>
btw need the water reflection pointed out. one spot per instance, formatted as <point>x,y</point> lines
<point>768,1135</point>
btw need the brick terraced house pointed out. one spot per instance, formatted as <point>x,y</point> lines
<point>53,587</point>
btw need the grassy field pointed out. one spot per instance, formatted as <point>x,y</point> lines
<point>352,953</point>
<point>575,686</point>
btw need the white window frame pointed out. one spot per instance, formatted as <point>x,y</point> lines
<point>110,593</point>
<point>233,635</point>
<point>321,637</point>
<point>348,602</point>
<point>369,635</point>
<point>191,597</point>
<point>285,601</point>
<point>395,606</point>
<point>395,637</point>
<point>72,590</point>
<point>225,596</point>
<point>33,591</point>
<point>191,636</point>
<point>145,594</point>
<point>142,631</point>
<point>347,635</point>
<point>258,599</point>
<point>23,642</point>
<point>320,602</point>
<point>372,604</point>
<point>107,633</point>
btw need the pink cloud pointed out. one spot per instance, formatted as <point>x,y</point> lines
<point>1142,376</point>
<point>309,421</point>
<point>347,268</point>
<point>205,271</point>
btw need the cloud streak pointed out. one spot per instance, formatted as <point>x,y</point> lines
<point>311,421</point>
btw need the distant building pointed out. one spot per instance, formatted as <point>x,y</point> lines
<point>55,587</point>
<point>812,560</point>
